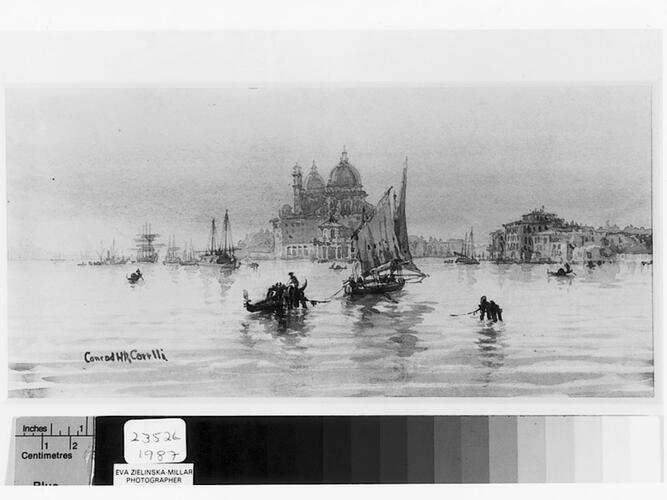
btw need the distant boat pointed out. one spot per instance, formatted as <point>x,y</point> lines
<point>383,259</point>
<point>57,258</point>
<point>110,257</point>
<point>171,256</point>
<point>227,259</point>
<point>221,255</point>
<point>467,254</point>
<point>146,246</point>
<point>188,258</point>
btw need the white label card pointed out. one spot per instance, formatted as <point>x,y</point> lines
<point>153,475</point>
<point>154,441</point>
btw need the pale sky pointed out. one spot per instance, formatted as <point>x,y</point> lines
<point>88,165</point>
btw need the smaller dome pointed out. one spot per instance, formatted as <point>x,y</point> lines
<point>314,182</point>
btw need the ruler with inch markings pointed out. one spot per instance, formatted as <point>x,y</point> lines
<point>53,451</point>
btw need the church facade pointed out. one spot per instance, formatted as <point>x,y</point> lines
<point>320,221</point>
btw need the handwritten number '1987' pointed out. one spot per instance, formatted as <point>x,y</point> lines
<point>159,454</point>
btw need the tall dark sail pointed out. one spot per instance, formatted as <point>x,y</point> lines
<point>401,222</point>
<point>381,242</point>
<point>381,248</point>
<point>376,241</point>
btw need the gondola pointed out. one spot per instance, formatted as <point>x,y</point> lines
<point>558,274</point>
<point>271,306</point>
<point>134,278</point>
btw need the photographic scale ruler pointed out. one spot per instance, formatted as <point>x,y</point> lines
<point>52,451</point>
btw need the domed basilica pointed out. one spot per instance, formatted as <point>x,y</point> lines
<point>323,215</point>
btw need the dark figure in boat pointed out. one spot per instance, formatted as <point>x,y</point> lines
<point>135,276</point>
<point>276,293</point>
<point>482,308</point>
<point>355,284</point>
<point>295,295</point>
<point>563,271</point>
<point>280,297</point>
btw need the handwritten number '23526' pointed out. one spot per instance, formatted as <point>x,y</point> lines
<point>155,437</point>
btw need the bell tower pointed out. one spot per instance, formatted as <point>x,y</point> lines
<point>297,187</point>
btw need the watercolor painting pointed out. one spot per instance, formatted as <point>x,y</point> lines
<point>344,241</point>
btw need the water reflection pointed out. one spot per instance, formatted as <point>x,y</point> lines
<point>605,275</point>
<point>213,278</point>
<point>490,351</point>
<point>490,346</point>
<point>562,282</point>
<point>467,274</point>
<point>502,273</point>
<point>385,333</point>
<point>289,327</point>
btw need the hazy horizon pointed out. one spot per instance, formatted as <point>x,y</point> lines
<point>92,165</point>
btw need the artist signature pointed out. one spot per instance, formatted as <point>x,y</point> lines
<point>125,356</point>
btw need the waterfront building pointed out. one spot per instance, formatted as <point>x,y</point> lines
<point>518,234</point>
<point>593,254</point>
<point>318,207</point>
<point>541,236</point>
<point>497,247</point>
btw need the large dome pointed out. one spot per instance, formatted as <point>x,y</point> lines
<point>314,182</point>
<point>344,175</point>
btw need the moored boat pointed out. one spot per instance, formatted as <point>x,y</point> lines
<point>172,257</point>
<point>467,254</point>
<point>223,255</point>
<point>188,257</point>
<point>146,245</point>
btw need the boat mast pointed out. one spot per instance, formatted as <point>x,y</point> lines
<point>229,246</point>
<point>472,244</point>
<point>225,228</point>
<point>213,236</point>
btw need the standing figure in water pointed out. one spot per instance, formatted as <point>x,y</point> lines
<point>483,308</point>
<point>495,313</point>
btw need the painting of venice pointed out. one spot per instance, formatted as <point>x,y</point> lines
<point>348,241</point>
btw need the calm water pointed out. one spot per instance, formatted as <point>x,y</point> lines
<point>589,336</point>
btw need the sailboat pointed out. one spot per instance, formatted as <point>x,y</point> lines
<point>383,262</point>
<point>172,257</point>
<point>188,258</point>
<point>112,257</point>
<point>226,258</point>
<point>146,246</point>
<point>221,255</point>
<point>467,254</point>
<point>210,255</point>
